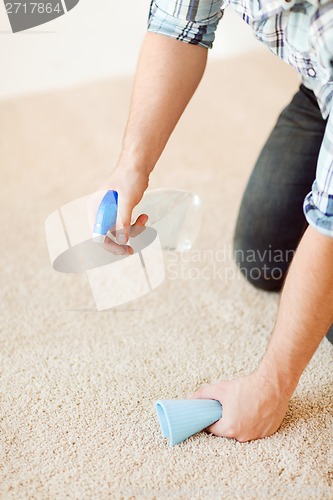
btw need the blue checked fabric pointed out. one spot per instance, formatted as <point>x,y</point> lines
<point>300,32</point>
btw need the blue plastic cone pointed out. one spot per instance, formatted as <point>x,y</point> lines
<point>181,418</point>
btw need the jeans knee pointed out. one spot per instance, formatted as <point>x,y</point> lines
<point>260,272</point>
<point>263,277</point>
<point>329,335</point>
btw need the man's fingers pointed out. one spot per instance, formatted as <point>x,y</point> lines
<point>216,429</point>
<point>113,247</point>
<point>136,229</point>
<point>205,392</point>
<point>133,230</point>
<point>141,220</point>
<point>139,226</point>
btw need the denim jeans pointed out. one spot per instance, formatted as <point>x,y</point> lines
<point>271,221</point>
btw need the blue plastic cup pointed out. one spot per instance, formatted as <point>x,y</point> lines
<point>181,418</point>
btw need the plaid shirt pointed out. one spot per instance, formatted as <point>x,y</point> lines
<point>300,32</point>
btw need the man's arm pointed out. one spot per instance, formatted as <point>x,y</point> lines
<point>305,313</point>
<point>254,406</point>
<point>168,73</point>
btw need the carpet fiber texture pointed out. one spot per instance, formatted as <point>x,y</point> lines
<point>78,387</point>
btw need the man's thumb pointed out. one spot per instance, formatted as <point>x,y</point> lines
<point>124,218</point>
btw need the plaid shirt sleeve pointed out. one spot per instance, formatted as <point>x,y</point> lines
<point>191,21</point>
<point>283,26</point>
<point>318,205</point>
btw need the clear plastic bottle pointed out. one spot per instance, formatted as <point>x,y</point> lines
<point>175,214</point>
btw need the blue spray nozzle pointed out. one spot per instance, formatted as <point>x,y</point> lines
<point>107,214</point>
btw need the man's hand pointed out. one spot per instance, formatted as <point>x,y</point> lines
<point>130,183</point>
<point>253,407</point>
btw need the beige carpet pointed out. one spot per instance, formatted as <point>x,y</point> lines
<point>78,387</point>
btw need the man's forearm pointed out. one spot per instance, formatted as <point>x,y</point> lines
<point>167,75</point>
<point>305,312</point>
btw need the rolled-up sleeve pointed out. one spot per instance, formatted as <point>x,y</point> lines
<point>191,21</point>
<point>318,204</point>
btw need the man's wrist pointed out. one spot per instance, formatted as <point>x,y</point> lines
<point>281,379</point>
<point>135,166</point>
<point>136,160</point>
